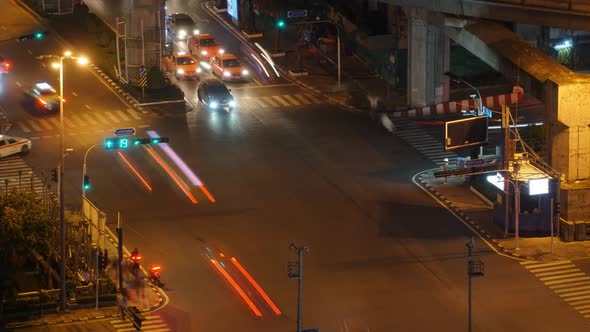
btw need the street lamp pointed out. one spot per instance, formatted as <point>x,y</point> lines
<point>62,222</point>
<point>459,79</point>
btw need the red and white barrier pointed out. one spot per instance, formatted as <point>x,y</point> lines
<point>457,106</point>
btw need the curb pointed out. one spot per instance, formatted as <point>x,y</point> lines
<point>62,321</point>
<point>482,232</point>
<point>130,100</point>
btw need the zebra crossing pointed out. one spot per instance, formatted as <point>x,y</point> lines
<point>15,173</point>
<point>152,323</point>
<point>566,280</point>
<point>278,101</point>
<point>427,145</point>
<point>77,121</point>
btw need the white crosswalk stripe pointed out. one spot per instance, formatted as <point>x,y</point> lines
<point>9,170</point>
<point>152,323</point>
<point>566,280</point>
<point>77,121</point>
<point>427,145</point>
<point>279,101</point>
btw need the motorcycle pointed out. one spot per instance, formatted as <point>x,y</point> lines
<point>154,274</point>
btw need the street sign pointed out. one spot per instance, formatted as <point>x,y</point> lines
<point>486,111</point>
<point>474,162</point>
<point>297,13</point>
<point>125,132</point>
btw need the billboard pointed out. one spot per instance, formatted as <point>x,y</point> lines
<point>232,8</point>
<point>466,132</point>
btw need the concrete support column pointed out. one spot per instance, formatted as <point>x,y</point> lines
<point>428,59</point>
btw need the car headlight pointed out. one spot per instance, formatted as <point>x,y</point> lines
<point>245,72</point>
<point>221,51</point>
<point>181,33</point>
<point>198,70</point>
<point>232,103</point>
<point>180,71</point>
<point>213,104</point>
<point>226,74</point>
<point>196,32</point>
<point>203,52</point>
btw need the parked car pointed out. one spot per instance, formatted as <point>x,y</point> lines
<point>228,67</point>
<point>183,65</point>
<point>204,46</point>
<point>10,145</point>
<point>181,25</point>
<point>215,95</point>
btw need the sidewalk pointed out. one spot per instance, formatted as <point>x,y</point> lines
<point>473,211</point>
<point>142,294</point>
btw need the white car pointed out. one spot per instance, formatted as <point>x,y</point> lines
<point>10,145</point>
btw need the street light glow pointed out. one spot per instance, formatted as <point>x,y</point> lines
<point>68,53</point>
<point>83,60</point>
<point>55,65</point>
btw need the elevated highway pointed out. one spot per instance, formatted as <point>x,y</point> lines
<point>570,14</point>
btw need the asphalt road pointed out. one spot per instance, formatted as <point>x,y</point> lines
<point>383,255</point>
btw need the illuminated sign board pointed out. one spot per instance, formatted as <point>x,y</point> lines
<point>232,8</point>
<point>497,180</point>
<point>538,186</point>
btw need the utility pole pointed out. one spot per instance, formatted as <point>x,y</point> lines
<point>296,272</point>
<point>120,262</point>
<point>475,268</point>
<point>505,165</point>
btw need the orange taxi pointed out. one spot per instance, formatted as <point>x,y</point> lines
<point>183,65</point>
<point>228,67</point>
<point>204,46</point>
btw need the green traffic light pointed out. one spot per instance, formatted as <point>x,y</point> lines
<point>280,23</point>
<point>155,140</point>
<point>108,144</point>
<point>39,35</point>
<point>86,186</point>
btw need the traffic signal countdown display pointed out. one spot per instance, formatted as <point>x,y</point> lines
<point>123,143</point>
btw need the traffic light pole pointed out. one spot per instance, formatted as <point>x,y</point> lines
<point>299,251</point>
<point>84,169</point>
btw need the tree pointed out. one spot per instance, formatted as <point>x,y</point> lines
<point>25,227</point>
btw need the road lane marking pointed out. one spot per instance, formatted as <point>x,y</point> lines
<point>31,53</point>
<point>75,94</point>
<point>3,27</point>
<point>123,116</point>
<point>87,106</point>
<point>313,98</point>
<point>78,120</point>
<point>23,127</point>
<point>133,114</point>
<point>260,86</point>
<point>303,99</point>
<point>43,64</point>
<point>18,83</point>
<point>258,102</point>
<point>551,268</point>
<point>292,100</point>
<point>563,281</point>
<point>112,117</point>
<point>45,124</point>
<point>34,125</point>
<point>545,274</point>
<point>281,100</point>
<point>69,123</point>
<point>567,275</point>
<point>100,118</point>
<point>88,118</point>
<point>270,101</point>
<point>534,264</point>
<point>567,290</point>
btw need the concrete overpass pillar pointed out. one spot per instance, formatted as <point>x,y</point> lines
<point>428,59</point>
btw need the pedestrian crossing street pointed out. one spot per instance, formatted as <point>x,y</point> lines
<point>292,100</point>
<point>566,280</point>
<point>427,145</point>
<point>152,323</point>
<point>9,170</point>
<point>77,121</point>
